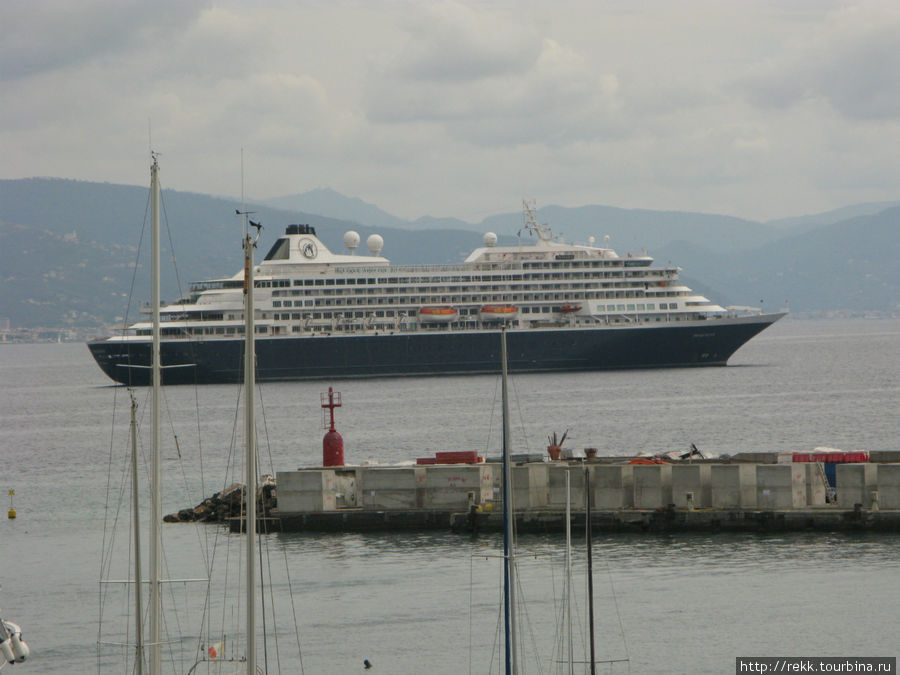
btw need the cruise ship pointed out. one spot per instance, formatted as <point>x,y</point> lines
<point>320,314</point>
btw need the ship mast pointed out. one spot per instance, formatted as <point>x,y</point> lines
<point>531,224</point>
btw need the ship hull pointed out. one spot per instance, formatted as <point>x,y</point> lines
<point>438,352</point>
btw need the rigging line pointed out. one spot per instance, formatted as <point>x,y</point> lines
<point>581,627</point>
<point>523,606</point>
<point>519,410</point>
<point>234,471</point>
<point>261,542</point>
<point>244,480</point>
<point>170,590</point>
<point>264,543</point>
<point>559,611</point>
<point>498,630</point>
<point>162,202</point>
<point>487,443</point>
<point>184,478</point>
<point>230,462</point>
<point>136,265</point>
<point>268,444</point>
<point>201,532</point>
<point>110,529</point>
<point>204,539</point>
<point>615,599</point>
<point>200,456</point>
<point>293,607</point>
<point>207,619</point>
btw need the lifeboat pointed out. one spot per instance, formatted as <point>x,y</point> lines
<point>437,314</point>
<point>498,312</point>
<point>569,309</point>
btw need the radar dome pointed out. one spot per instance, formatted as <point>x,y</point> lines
<point>351,240</point>
<point>375,243</point>
<point>490,239</point>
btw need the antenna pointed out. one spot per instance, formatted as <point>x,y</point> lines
<point>243,213</point>
<point>531,224</point>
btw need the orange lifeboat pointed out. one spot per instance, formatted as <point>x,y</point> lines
<point>441,314</point>
<point>569,309</point>
<point>498,312</point>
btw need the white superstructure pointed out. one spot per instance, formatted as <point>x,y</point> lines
<point>302,288</point>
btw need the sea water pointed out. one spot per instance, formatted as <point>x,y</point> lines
<point>429,602</point>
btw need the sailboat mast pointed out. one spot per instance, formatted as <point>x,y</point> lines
<point>509,568</point>
<point>568,582</point>
<point>138,590</point>
<point>250,459</point>
<point>156,490</point>
<point>590,564</point>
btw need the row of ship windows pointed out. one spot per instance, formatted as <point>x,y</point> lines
<point>284,316</point>
<point>264,330</point>
<point>487,278</point>
<point>445,299</point>
<point>653,275</point>
<point>463,289</point>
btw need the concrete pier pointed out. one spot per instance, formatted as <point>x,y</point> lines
<point>703,496</point>
<point>682,520</point>
<point>733,486</point>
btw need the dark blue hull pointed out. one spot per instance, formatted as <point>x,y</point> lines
<point>439,352</point>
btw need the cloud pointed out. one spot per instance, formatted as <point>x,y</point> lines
<point>757,109</point>
<point>490,81</point>
<point>451,42</point>
<point>48,35</point>
<point>851,61</point>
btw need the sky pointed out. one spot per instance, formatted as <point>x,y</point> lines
<point>758,109</point>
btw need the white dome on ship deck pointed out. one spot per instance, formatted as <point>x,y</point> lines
<point>351,240</point>
<point>375,242</point>
<point>490,239</point>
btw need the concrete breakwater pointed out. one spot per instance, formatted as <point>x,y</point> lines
<point>704,496</point>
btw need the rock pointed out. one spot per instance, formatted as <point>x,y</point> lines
<point>229,503</point>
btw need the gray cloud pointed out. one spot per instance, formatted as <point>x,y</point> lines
<point>754,109</point>
<point>852,62</point>
<point>455,43</point>
<point>487,82</point>
<point>37,37</point>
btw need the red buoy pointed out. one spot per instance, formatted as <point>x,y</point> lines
<point>333,443</point>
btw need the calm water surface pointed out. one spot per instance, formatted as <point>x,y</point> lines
<point>410,603</point>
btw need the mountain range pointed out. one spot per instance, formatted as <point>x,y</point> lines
<point>70,251</point>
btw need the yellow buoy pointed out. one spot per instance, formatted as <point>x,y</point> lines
<point>12,512</point>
